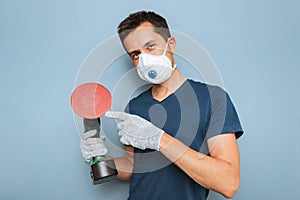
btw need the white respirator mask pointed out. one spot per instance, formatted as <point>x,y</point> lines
<point>155,69</point>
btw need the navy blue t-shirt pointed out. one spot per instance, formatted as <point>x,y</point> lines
<point>193,114</point>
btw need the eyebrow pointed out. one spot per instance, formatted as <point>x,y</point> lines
<point>138,51</point>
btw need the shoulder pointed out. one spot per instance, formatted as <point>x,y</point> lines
<point>136,104</point>
<point>141,97</point>
<point>206,89</point>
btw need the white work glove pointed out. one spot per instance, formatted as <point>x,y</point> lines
<point>136,131</point>
<point>91,147</point>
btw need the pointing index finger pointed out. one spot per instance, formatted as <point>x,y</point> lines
<point>117,115</point>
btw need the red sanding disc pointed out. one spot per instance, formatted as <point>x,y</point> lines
<point>91,100</point>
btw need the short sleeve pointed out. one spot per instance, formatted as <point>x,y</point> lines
<point>223,116</point>
<point>127,108</point>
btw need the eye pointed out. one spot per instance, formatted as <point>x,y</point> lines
<point>135,55</point>
<point>151,47</point>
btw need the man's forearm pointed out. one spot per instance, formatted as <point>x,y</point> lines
<point>124,164</point>
<point>212,173</point>
<point>124,168</point>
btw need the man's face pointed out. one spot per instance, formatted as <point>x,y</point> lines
<point>145,40</point>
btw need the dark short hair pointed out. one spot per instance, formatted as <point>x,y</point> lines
<point>136,19</point>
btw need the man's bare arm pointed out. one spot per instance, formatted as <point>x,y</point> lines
<point>219,172</point>
<point>124,165</point>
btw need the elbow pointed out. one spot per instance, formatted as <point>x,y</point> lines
<point>231,189</point>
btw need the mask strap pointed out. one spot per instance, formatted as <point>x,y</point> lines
<point>166,46</point>
<point>174,66</point>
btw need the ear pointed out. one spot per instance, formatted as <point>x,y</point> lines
<point>172,44</point>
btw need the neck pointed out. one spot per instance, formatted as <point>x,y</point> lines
<point>163,90</point>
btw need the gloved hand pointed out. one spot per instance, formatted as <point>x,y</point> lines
<point>91,147</point>
<point>137,131</point>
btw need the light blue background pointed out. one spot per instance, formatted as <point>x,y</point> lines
<point>255,45</point>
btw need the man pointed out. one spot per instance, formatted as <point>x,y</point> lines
<point>180,135</point>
